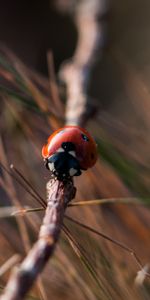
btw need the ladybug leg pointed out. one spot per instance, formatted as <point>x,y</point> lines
<point>50,162</point>
<point>73,167</point>
<point>75,172</point>
<point>46,163</point>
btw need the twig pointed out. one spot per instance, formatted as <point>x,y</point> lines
<point>76,72</point>
<point>22,278</point>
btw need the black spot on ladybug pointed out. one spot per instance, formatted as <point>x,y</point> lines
<point>68,146</point>
<point>84,137</point>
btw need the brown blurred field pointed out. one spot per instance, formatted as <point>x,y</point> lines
<point>33,105</point>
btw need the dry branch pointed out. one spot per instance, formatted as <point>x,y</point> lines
<point>90,23</point>
<point>23,277</point>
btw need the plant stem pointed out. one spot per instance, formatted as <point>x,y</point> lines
<point>23,277</point>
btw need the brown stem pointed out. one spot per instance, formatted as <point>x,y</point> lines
<point>22,278</point>
<point>89,19</point>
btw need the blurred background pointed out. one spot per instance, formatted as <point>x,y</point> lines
<point>36,38</point>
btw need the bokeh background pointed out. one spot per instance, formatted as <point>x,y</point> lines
<point>32,105</point>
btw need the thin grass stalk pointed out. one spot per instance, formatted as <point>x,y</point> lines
<point>28,185</point>
<point>80,252</point>
<point>10,190</point>
<point>13,260</point>
<point>120,244</point>
<point>22,278</point>
<point>27,188</point>
<point>125,200</point>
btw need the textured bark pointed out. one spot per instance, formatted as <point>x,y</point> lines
<point>89,17</point>
<point>23,277</point>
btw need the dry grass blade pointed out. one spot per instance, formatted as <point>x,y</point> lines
<point>13,211</point>
<point>59,194</point>
<point>41,100</point>
<point>12,261</point>
<point>26,210</point>
<point>41,288</point>
<point>21,222</point>
<point>121,245</point>
<point>27,85</point>
<point>9,187</point>
<point>8,211</point>
<point>26,186</point>
<point>129,200</point>
<point>22,122</point>
<point>53,86</point>
<point>80,252</point>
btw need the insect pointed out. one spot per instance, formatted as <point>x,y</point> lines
<point>68,151</point>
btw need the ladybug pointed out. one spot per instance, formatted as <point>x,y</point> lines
<point>68,151</point>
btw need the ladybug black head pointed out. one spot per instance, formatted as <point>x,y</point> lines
<point>63,164</point>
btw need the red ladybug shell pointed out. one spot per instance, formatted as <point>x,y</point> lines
<point>86,150</point>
